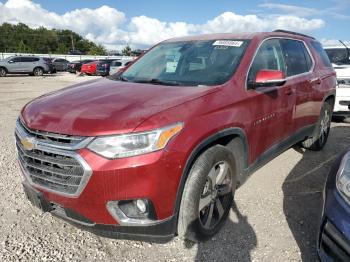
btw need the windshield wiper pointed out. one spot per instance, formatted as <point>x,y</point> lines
<point>157,82</point>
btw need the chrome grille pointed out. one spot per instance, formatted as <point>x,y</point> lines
<point>48,167</point>
<point>53,139</point>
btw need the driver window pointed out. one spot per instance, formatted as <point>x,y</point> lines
<point>268,57</point>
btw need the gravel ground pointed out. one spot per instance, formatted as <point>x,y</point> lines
<point>276,218</point>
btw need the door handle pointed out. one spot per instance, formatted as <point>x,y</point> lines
<point>315,81</point>
<point>288,91</point>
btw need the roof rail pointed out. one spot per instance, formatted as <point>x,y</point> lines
<point>292,33</point>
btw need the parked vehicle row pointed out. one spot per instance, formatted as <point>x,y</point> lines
<point>102,67</point>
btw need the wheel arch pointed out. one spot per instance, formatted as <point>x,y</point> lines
<point>4,68</point>
<point>222,137</point>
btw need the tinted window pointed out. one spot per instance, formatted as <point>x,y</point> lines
<point>268,57</point>
<point>295,57</point>
<point>336,55</point>
<point>116,63</point>
<point>27,59</point>
<point>15,59</point>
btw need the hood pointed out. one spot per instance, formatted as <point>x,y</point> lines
<point>104,106</point>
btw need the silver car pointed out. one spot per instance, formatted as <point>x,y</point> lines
<point>117,65</point>
<point>32,65</point>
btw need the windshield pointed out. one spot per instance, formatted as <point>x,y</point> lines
<point>338,55</point>
<point>188,63</point>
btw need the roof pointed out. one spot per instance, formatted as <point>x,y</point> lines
<point>238,36</point>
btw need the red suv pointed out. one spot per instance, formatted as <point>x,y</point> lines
<point>161,150</point>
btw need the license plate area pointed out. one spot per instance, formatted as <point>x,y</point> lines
<point>37,199</point>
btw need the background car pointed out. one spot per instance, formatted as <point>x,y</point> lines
<point>52,68</point>
<point>89,68</point>
<point>340,59</point>
<point>334,236</point>
<point>103,67</point>
<point>32,65</point>
<point>75,66</point>
<point>60,64</point>
<point>118,65</point>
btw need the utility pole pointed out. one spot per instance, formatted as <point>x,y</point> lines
<point>72,38</point>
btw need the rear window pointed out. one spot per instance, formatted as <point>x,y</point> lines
<point>337,55</point>
<point>297,58</point>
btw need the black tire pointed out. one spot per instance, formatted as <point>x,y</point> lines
<point>318,141</point>
<point>38,71</point>
<point>197,223</point>
<point>3,72</point>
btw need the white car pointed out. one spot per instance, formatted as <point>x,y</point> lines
<point>117,65</point>
<point>340,59</point>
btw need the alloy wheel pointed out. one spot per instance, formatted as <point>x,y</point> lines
<point>324,126</point>
<point>2,72</point>
<point>213,201</point>
<point>38,72</point>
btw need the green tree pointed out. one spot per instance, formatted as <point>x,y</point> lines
<point>97,50</point>
<point>127,51</point>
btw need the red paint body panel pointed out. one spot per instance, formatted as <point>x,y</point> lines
<point>103,107</point>
<point>89,68</point>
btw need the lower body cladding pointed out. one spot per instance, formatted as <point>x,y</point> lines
<point>334,237</point>
<point>131,198</point>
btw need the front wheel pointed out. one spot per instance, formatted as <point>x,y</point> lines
<point>318,141</point>
<point>2,72</point>
<point>208,194</point>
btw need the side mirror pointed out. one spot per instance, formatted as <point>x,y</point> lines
<point>268,78</point>
<point>11,62</point>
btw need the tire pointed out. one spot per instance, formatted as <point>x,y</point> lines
<point>38,71</point>
<point>3,72</point>
<point>317,142</point>
<point>208,194</point>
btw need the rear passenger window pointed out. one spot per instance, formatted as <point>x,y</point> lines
<point>268,57</point>
<point>26,59</point>
<point>322,53</point>
<point>297,58</point>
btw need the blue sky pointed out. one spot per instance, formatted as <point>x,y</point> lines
<point>140,23</point>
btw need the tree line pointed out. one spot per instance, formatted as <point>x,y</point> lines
<point>20,38</point>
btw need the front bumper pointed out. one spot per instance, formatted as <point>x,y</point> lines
<point>342,101</point>
<point>145,176</point>
<point>334,236</point>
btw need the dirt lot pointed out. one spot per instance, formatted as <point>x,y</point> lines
<point>276,219</point>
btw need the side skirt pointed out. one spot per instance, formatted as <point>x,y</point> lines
<point>276,150</point>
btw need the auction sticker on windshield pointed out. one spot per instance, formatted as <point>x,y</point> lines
<point>228,43</point>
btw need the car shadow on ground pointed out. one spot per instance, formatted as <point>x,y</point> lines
<point>234,242</point>
<point>302,189</point>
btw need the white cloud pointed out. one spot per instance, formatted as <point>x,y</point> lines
<point>292,9</point>
<point>333,42</point>
<point>108,26</point>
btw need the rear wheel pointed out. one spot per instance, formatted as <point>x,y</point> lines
<point>317,142</point>
<point>208,194</point>
<point>38,71</point>
<point>2,72</point>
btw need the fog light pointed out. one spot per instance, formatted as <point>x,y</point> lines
<point>132,212</point>
<point>141,205</point>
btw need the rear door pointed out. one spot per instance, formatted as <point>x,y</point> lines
<point>272,106</point>
<point>300,76</point>
<point>28,64</point>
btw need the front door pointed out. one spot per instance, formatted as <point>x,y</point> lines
<point>271,108</point>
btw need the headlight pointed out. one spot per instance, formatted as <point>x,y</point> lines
<point>343,177</point>
<point>133,144</point>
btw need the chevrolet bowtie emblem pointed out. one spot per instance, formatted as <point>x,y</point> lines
<point>27,143</point>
